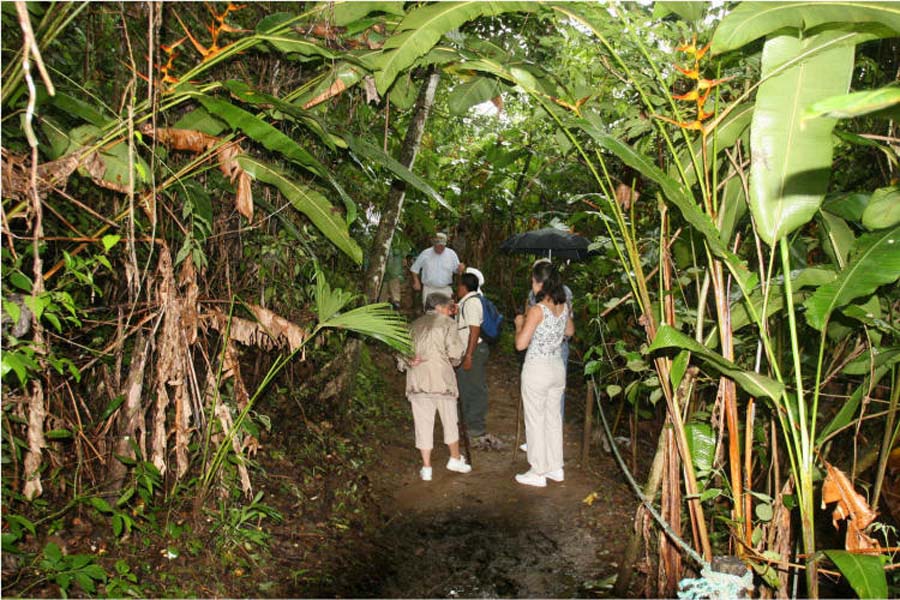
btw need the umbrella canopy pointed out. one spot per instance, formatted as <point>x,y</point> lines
<point>549,242</point>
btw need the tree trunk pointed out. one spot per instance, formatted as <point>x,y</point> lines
<point>390,218</point>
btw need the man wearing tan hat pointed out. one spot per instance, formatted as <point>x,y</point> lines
<point>434,268</point>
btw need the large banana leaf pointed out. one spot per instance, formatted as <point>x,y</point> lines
<point>423,27</point>
<point>875,262</point>
<point>343,75</point>
<point>791,159</point>
<point>675,193</point>
<point>79,108</point>
<point>377,155</point>
<point>345,13</point>
<point>291,43</point>
<point>262,132</point>
<point>308,201</point>
<point>752,20</point>
<point>272,138</point>
<point>753,383</point>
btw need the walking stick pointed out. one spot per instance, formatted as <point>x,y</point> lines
<point>463,431</point>
<point>518,427</point>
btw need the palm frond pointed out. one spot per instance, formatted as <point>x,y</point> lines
<point>329,301</point>
<point>377,321</point>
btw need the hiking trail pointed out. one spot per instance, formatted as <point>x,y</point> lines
<point>484,535</point>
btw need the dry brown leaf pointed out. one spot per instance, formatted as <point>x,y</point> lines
<point>270,332</point>
<point>16,177</point>
<point>626,195</point>
<point>333,90</point>
<point>278,327</point>
<point>168,365</point>
<point>36,442</point>
<point>371,90</point>
<point>228,164</point>
<point>96,168</point>
<point>187,281</point>
<point>243,199</point>
<point>851,506</point>
<point>498,102</point>
<point>195,141</point>
<point>181,139</point>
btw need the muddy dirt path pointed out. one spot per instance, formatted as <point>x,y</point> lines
<point>483,534</point>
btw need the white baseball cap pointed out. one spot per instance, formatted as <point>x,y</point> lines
<point>477,274</point>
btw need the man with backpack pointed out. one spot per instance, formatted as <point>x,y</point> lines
<point>477,321</point>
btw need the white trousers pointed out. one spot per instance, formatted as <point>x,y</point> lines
<point>543,382</point>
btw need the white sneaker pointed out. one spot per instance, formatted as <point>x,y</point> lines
<point>556,475</point>
<point>524,447</point>
<point>425,473</point>
<point>459,465</point>
<point>532,478</point>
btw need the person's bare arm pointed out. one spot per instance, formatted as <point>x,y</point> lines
<point>417,283</point>
<point>570,326</point>
<point>474,333</point>
<point>525,326</point>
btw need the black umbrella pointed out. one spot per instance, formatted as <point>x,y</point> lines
<point>549,242</point>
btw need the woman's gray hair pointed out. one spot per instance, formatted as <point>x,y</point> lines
<point>436,299</point>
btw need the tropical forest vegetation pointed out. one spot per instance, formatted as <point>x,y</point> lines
<point>199,201</point>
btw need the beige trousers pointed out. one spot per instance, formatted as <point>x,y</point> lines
<point>423,408</point>
<point>543,382</point>
<point>427,289</point>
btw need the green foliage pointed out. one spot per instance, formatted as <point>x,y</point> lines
<point>421,29</point>
<point>124,583</point>
<point>865,573</point>
<point>883,209</point>
<point>64,569</point>
<point>875,262</point>
<point>856,104</point>
<point>241,525</point>
<point>754,383</point>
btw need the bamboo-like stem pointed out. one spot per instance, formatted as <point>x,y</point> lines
<point>804,468</point>
<point>888,438</point>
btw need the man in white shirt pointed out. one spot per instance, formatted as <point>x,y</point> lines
<point>470,375</point>
<point>433,270</point>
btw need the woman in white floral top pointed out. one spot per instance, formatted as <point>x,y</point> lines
<point>542,330</point>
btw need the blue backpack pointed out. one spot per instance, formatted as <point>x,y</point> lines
<point>492,320</point>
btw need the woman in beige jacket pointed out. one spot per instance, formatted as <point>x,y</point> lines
<point>431,381</point>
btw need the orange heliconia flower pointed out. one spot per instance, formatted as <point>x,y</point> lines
<point>700,94</point>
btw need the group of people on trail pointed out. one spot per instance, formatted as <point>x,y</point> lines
<point>450,357</point>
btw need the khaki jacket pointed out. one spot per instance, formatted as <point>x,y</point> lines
<point>435,340</point>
